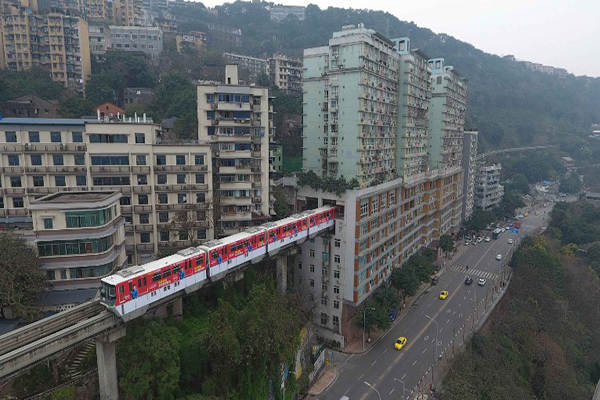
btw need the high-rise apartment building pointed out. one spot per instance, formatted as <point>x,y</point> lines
<point>367,114</point>
<point>469,167</point>
<point>237,122</point>
<point>166,187</point>
<point>55,41</point>
<point>350,104</point>
<point>488,191</point>
<point>253,66</point>
<point>142,39</point>
<point>447,113</point>
<point>286,73</point>
<point>412,142</point>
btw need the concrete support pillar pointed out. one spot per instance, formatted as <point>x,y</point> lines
<point>106,359</point>
<point>281,273</point>
<point>178,308</point>
<point>161,312</point>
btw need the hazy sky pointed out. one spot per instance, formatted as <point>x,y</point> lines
<point>561,33</point>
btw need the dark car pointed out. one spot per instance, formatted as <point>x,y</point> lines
<point>468,281</point>
<point>435,280</point>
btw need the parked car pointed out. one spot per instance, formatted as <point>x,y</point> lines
<point>487,238</point>
<point>435,280</point>
<point>481,282</point>
<point>510,241</point>
<point>468,281</point>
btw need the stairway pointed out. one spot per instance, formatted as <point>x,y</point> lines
<point>74,371</point>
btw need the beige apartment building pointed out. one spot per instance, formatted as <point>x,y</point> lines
<point>286,73</point>
<point>55,41</point>
<point>166,187</point>
<point>237,122</point>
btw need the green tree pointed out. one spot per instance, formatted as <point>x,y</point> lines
<point>405,280</point>
<point>518,184</point>
<point>149,374</point>
<point>282,208</point>
<point>446,243</point>
<point>99,89</point>
<point>373,317</point>
<point>570,185</point>
<point>37,81</point>
<point>387,297</point>
<point>480,219</point>
<point>75,107</point>
<point>21,279</point>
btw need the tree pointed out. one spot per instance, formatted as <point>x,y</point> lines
<point>189,221</point>
<point>37,81</point>
<point>518,184</point>
<point>374,316</point>
<point>405,280</point>
<point>480,219</point>
<point>571,185</point>
<point>21,279</point>
<point>149,374</point>
<point>75,107</point>
<point>387,297</point>
<point>98,89</point>
<point>282,208</point>
<point>446,243</point>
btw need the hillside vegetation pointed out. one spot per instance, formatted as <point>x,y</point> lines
<point>543,340</point>
<point>509,104</point>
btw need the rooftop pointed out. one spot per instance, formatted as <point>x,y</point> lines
<point>42,121</point>
<point>74,197</point>
<point>60,297</point>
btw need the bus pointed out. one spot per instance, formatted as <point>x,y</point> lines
<point>496,233</point>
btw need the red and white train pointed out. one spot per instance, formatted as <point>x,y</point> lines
<point>130,292</point>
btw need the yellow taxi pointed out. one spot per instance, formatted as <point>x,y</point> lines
<point>443,294</point>
<point>400,343</point>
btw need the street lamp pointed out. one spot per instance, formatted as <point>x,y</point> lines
<point>403,386</point>
<point>365,323</point>
<point>436,344</point>
<point>376,391</point>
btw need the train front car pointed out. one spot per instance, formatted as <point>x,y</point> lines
<point>108,293</point>
<point>289,230</point>
<point>320,219</point>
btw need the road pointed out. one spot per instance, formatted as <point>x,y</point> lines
<point>391,372</point>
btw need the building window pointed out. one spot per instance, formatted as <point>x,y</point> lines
<point>34,137</point>
<point>312,253</point>
<point>13,160</point>
<point>163,217</point>
<point>38,180</point>
<point>311,282</point>
<point>199,159</point>
<point>199,178</point>
<point>125,201</point>
<point>323,301</point>
<point>144,218</point>
<point>336,258</point>
<point>36,159</point>
<point>299,265</point>
<point>11,137</point>
<point>161,159</point>
<point>200,198</point>
<point>60,180</point>
<point>140,159</point>
<point>79,159</point>
<point>364,208</point>
<point>86,219</point>
<point>55,137</point>
<point>142,199</point>
<point>15,181</point>
<point>201,234</point>
<point>312,268</point>
<point>161,179</point>
<point>1,202</point>
<point>48,223</point>
<point>323,319</point>
<point>110,160</point>
<point>324,287</point>
<point>336,305</point>
<point>181,179</point>
<point>81,180</point>
<point>145,237</point>
<point>336,289</point>
<point>337,242</point>
<point>336,319</point>
<point>336,274</point>
<point>142,179</point>
<point>18,202</point>
<point>77,137</point>
<point>163,198</point>
<point>164,236</point>
<point>140,138</point>
<point>181,198</point>
<point>180,159</point>
<point>183,235</point>
<point>375,204</point>
<point>58,159</point>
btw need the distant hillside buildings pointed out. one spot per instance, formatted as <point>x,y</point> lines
<point>279,13</point>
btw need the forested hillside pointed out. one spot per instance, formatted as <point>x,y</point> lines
<point>509,104</point>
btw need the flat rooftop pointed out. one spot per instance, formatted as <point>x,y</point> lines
<point>75,197</point>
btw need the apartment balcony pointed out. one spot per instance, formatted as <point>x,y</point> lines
<point>235,201</point>
<point>144,247</point>
<point>110,168</point>
<point>126,209</point>
<point>172,168</point>
<point>234,185</point>
<point>142,208</point>
<point>142,189</point>
<point>14,191</point>
<point>226,106</point>
<point>140,169</point>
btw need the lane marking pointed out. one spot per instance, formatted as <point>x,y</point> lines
<point>392,392</point>
<point>424,350</point>
<point>385,351</point>
<point>404,376</point>
<point>413,364</point>
<point>373,363</point>
<point>360,377</point>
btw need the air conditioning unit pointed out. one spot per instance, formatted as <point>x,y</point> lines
<point>63,146</point>
<point>27,146</point>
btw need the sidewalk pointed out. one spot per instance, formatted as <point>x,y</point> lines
<point>355,346</point>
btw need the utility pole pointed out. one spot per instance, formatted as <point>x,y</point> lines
<point>365,324</point>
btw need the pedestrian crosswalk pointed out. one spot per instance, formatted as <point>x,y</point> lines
<point>473,272</point>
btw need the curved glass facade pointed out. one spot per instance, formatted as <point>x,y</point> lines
<point>85,219</point>
<point>74,247</point>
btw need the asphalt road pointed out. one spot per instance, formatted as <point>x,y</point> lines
<point>389,371</point>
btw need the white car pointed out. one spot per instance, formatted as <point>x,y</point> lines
<point>481,282</point>
<point>487,238</point>
<point>503,229</point>
<point>499,257</point>
<point>510,241</point>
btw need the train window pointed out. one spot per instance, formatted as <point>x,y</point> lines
<point>130,287</point>
<point>215,255</point>
<point>261,237</point>
<point>111,292</point>
<point>121,289</point>
<point>176,270</point>
<point>156,277</point>
<point>246,243</point>
<point>198,261</point>
<point>240,245</point>
<point>139,282</point>
<point>144,281</point>
<point>166,273</point>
